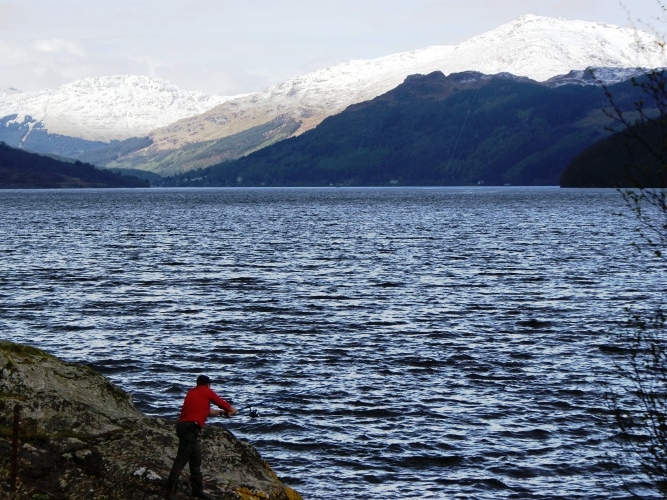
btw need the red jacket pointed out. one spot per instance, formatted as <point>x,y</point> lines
<point>197,405</point>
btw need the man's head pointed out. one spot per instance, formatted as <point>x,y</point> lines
<point>203,380</point>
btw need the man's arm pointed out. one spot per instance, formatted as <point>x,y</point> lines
<point>224,406</point>
<point>216,412</point>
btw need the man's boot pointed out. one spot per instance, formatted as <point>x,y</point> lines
<point>172,483</point>
<point>198,487</point>
<point>171,486</point>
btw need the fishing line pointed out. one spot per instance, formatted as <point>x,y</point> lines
<point>253,413</point>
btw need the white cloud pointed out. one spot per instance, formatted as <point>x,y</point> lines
<point>233,46</point>
<point>12,54</point>
<point>54,45</point>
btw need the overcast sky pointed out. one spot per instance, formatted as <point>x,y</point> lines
<point>227,47</point>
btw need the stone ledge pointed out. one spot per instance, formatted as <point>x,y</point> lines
<point>81,437</point>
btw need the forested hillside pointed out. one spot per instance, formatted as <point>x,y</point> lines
<point>20,169</point>
<point>619,161</point>
<point>462,129</point>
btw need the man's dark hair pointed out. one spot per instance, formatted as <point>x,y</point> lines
<point>203,380</point>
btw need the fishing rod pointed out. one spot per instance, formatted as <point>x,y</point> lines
<point>253,413</point>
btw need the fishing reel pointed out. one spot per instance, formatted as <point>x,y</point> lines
<point>253,413</point>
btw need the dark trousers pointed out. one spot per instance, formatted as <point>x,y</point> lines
<point>189,452</point>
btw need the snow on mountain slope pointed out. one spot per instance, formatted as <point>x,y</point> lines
<point>8,90</point>
<point>114,107</point>
<point>541,47</point>
<point>532,46</point>
<point>118,107</point>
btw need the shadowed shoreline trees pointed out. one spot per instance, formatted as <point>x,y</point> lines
<point>23,170</point>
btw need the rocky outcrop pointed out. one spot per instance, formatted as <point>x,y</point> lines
<point>80,437</point>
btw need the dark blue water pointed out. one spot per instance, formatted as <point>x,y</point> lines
<point>397,343</point>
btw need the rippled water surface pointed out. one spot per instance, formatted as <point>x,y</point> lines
<point>397,343</point>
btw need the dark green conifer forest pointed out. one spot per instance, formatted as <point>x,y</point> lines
<point>20,169</point>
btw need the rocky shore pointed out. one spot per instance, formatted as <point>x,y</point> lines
<point>80,437</point>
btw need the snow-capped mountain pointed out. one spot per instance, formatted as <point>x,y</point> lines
<point>542,47</point>
<point>101,109</point>
<point>532,46</point>
<point>8,90</point>
<point>106,108</point>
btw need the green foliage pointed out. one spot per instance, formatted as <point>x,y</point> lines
<point>433,130</point>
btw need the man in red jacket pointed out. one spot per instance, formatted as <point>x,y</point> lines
<point>196,409</point>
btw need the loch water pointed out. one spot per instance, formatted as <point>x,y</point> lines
<point>396,343</point>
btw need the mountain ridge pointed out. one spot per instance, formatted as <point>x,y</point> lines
<point>462,129</point>
<point>533,46</point>
<point>330,90</point>
<point>105,108</point>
